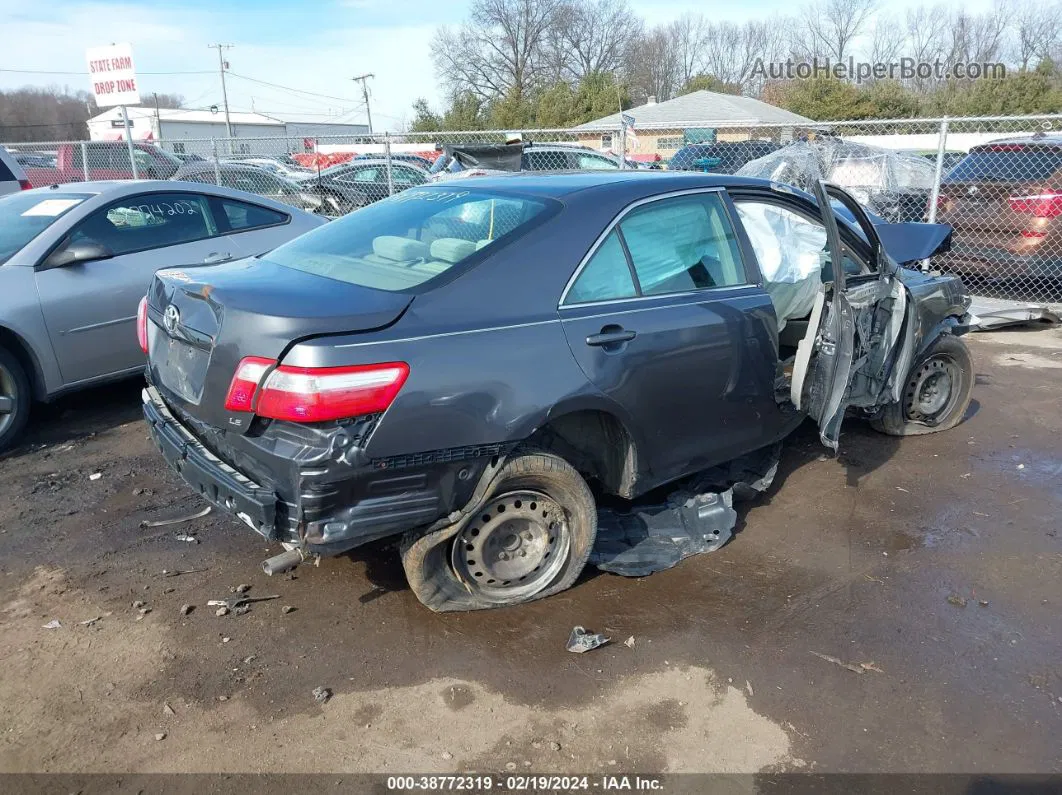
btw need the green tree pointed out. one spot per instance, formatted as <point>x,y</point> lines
<point>424,118</point>
<point>708,83</point>
<point>825,99</point>
<point>887,99</point>
<point>1036,91</point>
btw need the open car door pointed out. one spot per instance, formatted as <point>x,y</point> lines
<point>858,339</point>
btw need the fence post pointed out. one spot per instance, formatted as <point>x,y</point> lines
<point>623,144</point>
<point>84,160</point>
<point>217,169</point>
<point>387,154</point>
<point>934,196</point>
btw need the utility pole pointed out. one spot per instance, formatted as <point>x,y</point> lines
<point>365,92</point>
<point>222,66</point>
<point>158,121</point>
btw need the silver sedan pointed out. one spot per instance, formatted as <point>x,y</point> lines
<point>76,259</point>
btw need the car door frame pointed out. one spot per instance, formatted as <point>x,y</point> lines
<point>755,348</point>
<point>41,266</point>
<point>832,368</point>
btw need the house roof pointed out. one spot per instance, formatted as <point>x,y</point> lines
<point>190,115</point>
<point>703,108</point>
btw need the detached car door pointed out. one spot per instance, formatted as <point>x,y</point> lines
<point>664,319</point>
<point>90,307</point>
<point>858,338</point>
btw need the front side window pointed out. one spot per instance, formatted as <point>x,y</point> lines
<point>152,220</point>
<point>682,244</point>
<point>405,240</point>
<point>596,163</point>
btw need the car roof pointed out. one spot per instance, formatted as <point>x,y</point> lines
<point>558,185</point>
<point>1054,139</point>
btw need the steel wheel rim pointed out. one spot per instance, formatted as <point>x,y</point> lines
<point>513,547</point>
<point>8,399</point>
<point>932,391</point>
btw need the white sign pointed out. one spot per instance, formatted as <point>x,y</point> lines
<point>113,75</point>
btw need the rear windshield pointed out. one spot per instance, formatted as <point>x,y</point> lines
<point>404,241</point>
<point>1018,164</point>
<point>23,216</point>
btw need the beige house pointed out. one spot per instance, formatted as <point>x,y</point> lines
<point>662,128</point>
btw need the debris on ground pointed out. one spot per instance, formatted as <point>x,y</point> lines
<point>242,588</point>
<point>138,604</point>
<point>555,746</point>
<point>179,572</point>
<point>958,601</point>
<point>88,622</point>
<point>95,476</point>
<point>982,602</point>
<point>748,687</point>
<point>582,641</point>
<point>190,539</point>
<point>629,643</point>
<point>176,520</point>
<point>53,624</point>
<point>232,604</point>
<point>160,736</point>
<point>857,668</point>
<point>241,610</point>
<point>446,755</point>
<point>186,609</point>
<point>167,710</point>
<point>287,609</point>
<point>221,611</point>
<point>697,517</point>
<point>321,694</point>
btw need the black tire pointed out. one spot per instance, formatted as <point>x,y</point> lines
<point>14,386</point>
<point>948,361</point>
<point>445,579</point>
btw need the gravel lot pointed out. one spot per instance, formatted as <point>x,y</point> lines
<point>896,609</point>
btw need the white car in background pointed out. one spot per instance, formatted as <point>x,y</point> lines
<point>12,176</point>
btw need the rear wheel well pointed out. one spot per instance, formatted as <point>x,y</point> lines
<point>21,351</point>
<point>597,445</point>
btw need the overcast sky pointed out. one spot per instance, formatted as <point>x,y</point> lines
<point>313,46</point>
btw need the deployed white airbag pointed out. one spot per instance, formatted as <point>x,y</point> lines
<point>789,249</point>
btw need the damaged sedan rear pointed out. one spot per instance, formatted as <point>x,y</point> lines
<point>475,370</point>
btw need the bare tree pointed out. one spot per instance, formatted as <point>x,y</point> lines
<point>688,34</point>
<point>45,114</point>
<point>977,38</point>
<point>591,36</point>
<point>830,26</point>
<point>887,40</point>
<point>651,66</point>
<point>1037,32</point>
<point>500,51</point>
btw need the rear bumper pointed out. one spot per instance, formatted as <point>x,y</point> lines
<point>319,492</point>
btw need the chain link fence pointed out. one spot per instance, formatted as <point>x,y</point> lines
<point>996,180</point>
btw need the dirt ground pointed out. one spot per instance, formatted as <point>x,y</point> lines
<point>895,609</point>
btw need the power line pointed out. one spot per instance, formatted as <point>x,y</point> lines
<point>293,90</point>
<point>222,66</point>
<point>364,79</point>
<point>46,72</point>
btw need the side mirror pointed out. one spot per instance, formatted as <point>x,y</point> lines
<point>82,251</point>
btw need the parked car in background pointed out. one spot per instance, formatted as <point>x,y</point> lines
<point>74,262</point>
<point>188,157</point>
<point>1004,199</point>
<point>725,157</point>
<point>35,159</point>
<point>252,180</point>
<point>106,160</point>
<point>274,165</point>
<point>894,185</point>
<point>12,177</point>
<point>466,160</point>
<point>415,160</point>
<point>355,184</point>
<point>404,370</point>
<point>950,160</point>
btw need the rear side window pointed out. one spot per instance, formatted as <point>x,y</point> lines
<point>405,240</point>
<point>1008,163</point>
<point>242,216</point>
<point>681,244</point>
<point>606,277</point>
<point>25,215</point>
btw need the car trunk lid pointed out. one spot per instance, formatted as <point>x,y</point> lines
<point>205,320</point>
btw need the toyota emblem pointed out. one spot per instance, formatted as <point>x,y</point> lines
<point>170,318</point>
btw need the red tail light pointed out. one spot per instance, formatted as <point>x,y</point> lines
<point>248,376</point>
<point>141,324</point>
<point>25,184</point>
<point>1043,205</point>
<point>314,394</point>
